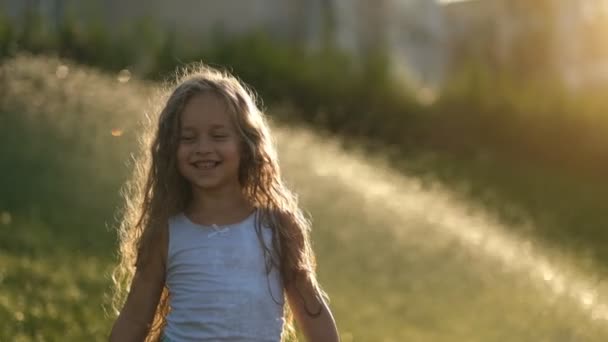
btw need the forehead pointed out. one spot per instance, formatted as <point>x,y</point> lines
<point>204,111</point>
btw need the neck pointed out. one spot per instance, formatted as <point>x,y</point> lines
<point>219,205</point>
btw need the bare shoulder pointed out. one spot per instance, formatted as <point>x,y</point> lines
<point>284,218</point>
<point>152,255</point>
<point>146,288</point>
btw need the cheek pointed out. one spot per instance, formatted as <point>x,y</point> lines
<point>233,151</point>
<point>181,155</point>
<point>235,155</point>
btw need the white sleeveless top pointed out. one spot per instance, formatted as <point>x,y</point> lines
<point>218,286</point>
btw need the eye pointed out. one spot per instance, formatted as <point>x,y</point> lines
<point>186,138</point>
<point>219,136</point>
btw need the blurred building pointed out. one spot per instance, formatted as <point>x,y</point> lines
<point>425,39</point>
<point>582,35</point>
<point>412,32</point>
<point>409,31</point>
<point>566,37</point>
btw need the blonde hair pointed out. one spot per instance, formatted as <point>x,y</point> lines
<point>157,191</point>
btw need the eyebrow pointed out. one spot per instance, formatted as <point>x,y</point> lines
<point>218,126</point>
<point>213,127</point>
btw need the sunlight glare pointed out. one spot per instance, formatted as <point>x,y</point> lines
<point>478,231</point>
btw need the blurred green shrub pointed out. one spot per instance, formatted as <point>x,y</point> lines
<point>505,118</point>
<point>478,111</point>
<point>522,119</point>
<point>326,87</point>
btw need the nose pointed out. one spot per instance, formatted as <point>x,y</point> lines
<point>203,145</point>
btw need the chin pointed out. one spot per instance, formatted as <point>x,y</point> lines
<point>206,185</point>
<point>209,185</point>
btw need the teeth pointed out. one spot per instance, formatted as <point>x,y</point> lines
<point>206,165</point>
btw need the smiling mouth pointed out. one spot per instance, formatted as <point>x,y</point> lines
<point>206,165</point>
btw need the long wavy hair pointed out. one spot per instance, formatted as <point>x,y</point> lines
<point>156,191</point>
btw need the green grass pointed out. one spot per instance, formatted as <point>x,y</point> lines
<point>391,272</point>
<point>51,290</point>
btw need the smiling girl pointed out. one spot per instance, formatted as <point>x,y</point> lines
<point>213,246</point>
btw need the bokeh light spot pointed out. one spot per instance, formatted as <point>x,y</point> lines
<point>5,218</point>
<point>116,132</point>
<point>124,76</point>
<point>426,96</point>
<point>62,71</point>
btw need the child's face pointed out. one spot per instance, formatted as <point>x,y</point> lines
<point>208,153</point>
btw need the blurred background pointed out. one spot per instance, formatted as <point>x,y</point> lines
<point>452,154</point>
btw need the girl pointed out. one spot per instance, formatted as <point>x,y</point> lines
<point>213,246</point>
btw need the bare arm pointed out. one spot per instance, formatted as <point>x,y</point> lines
<point>135,319</point>
<point>317,328</point>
